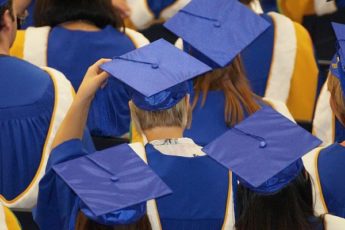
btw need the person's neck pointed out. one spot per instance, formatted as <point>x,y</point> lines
<point>4,51</point>
<point>4,47</point>
<point>80,25</point>
<point>160,133</point>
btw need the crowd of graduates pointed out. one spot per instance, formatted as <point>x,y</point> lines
<point>172,114</point>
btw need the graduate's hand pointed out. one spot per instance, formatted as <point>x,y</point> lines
<point>122,7</point>
<point>94,79</point>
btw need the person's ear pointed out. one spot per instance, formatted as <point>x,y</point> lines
<point>7,19</point>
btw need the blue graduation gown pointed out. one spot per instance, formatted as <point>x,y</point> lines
<point>72,52</point>
<point>200,188</point>
<point>198,205</point>
<point>258,69</point>
<point>56,205</point>
<point>208,121</point>
<point>26,105</point>
<point>331,170</point>
<point>339,131</point>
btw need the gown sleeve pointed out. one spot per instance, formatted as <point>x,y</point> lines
<point>55,199</point>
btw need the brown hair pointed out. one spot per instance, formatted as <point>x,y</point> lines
<point>337,98</point>
<point>232,80</point>
<point>177,116</point>
<point>54,12</point>
<point>83,223</point>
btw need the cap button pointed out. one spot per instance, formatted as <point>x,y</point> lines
<point>217,24</point>
<point>263,144</point>
<point>114,178</point>
<point>155,66</point>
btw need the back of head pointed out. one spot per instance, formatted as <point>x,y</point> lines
<point>232,80</point>
<point>54,12</point>
<point>177,116</point>
<point>337,98</point>
<point>290,208</point>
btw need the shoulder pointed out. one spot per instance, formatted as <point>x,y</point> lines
<point>25,68</point>
<point>332,155</point>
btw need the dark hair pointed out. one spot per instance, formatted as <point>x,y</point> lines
<point>7,6</point>
<point>83,223</point>
<point>232,80</point>
<point>246,1</point>
<point>290,208</point>
<point>54,12</point>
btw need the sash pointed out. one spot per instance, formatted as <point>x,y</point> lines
<point>36,45</point>
<point>137,38</point>
<point>64,95</point>
<point>334,222</point>
<point>294,73</point>
<point>3,224</point>
<point>310,162</point>
<point>283,59</point>
<point>152,210</point>
<point>8,220</point>
<point>324,120</point>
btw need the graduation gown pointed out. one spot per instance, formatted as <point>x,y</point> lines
<point>59,48</point>
<point>208,120</point>
<point>32,106</point>
<point>326,167</point>
<point>193,205</point>
<point>286,70</point>
<point>325,125</point>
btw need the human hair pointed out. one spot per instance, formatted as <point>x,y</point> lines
<point>7,6</point>
<point>290,208</point>
<point>247,2</point>
<point>232,80</point>
<point>54,12</point>
<point>337,98</point>
<point>83,223</point>
<point>177,116</point>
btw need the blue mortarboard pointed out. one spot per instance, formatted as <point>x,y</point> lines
<point>158,73</point>
<point>264,150</point>
<point>113,180</point>
<point>217,30</point>
<point>338,62</point>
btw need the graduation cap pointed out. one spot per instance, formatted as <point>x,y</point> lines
<point>217,30</point>
<point>338,62</point>
<point>158,73</point>
<point>264,150</point>
<point>113,180</point>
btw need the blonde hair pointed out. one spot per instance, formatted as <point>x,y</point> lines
<point>337,98</point>
<point>232,80</point>
<point>177,116</point>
